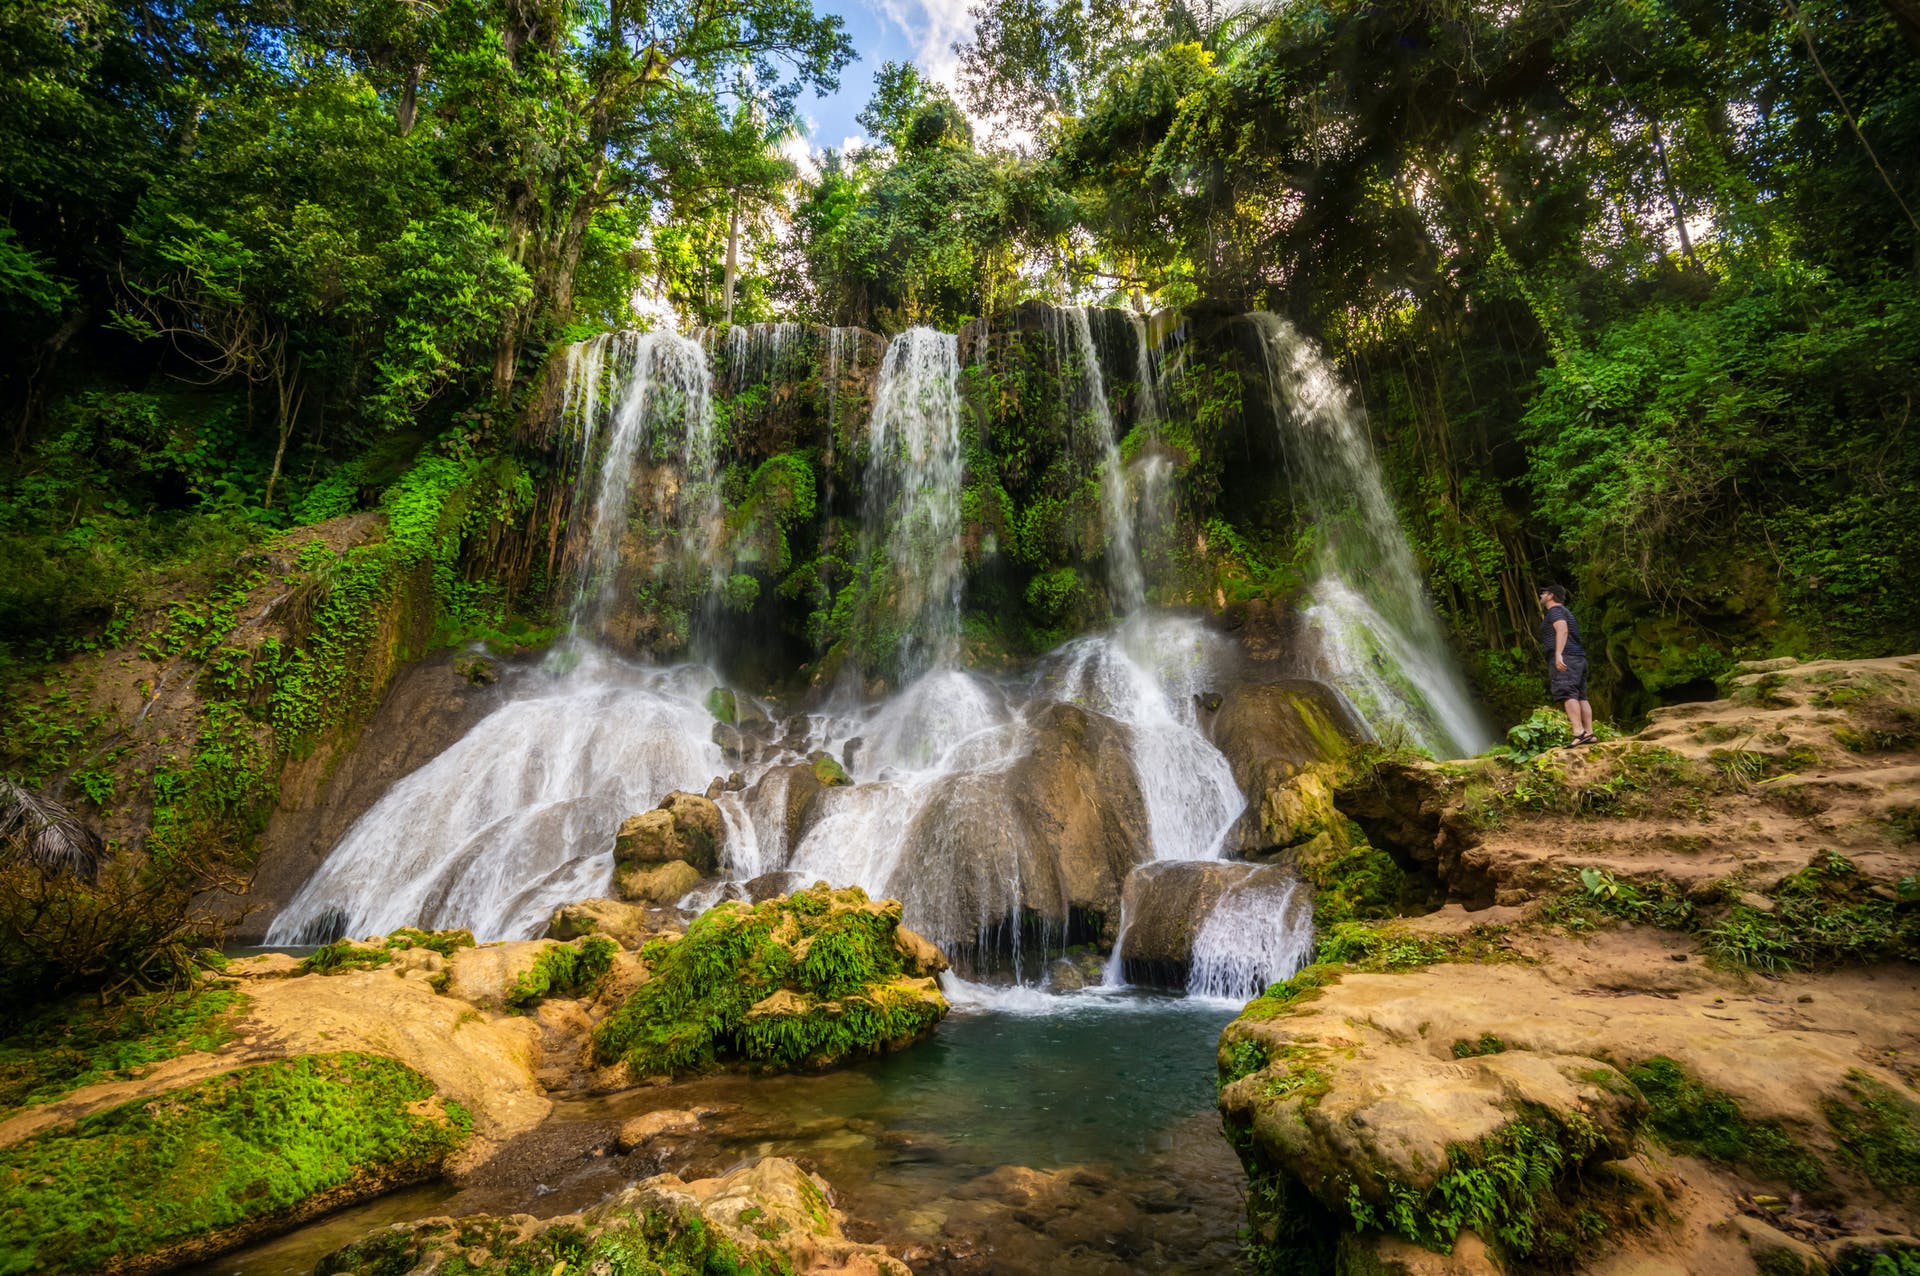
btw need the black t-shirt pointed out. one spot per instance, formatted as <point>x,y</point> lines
<point>1573,648</point>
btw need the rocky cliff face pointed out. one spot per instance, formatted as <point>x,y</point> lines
<point>1661,1022</point>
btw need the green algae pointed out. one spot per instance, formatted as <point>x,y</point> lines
<point>79,1042</point>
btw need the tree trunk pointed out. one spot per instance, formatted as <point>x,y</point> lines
<point>409,107</point>
<point>286,380</point>
<point>733,260</point>
<point>1673,192</point>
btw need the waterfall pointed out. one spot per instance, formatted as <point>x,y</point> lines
<point>1381,642</point>
<point>913,484</point>
<point>1146,675</point>
<point>1258,933</point>
<point>517,817</point>
<point>1126,586</point>
<point>665,389</point>
<point>1151,407</point>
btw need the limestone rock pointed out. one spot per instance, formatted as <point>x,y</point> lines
<point>656,883</point>
<point>685,826</point>
<point>644,1129</point>
<point>770,1209</point>
<point>922,957</point>
<point>828,771</point>
<point>1271,733</point>
<point>484,976</point>
<point>626,924</point>
<point>1167,903</point>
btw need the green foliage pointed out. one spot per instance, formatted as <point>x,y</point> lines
<point>79,1043</point>
<point>824,963</point>
<point>341,956</point>
<point>1244,1057</point>
<point>1503,1187</point>
<point>235,1147</point>
<point>1303,987</point>
<point>576,969</point>
<point>1877,1129</point>
<point>615,1244</point>
<point>1825,915</point>
<point>1487,1044</point>
<point>1543,731</point>
<point>1358,884</point>
<point>1697,1120</point>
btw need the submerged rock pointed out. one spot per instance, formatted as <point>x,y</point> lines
<point>797,981</point>
<point>765,1217</point>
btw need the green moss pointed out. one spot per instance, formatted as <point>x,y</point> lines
<point>1503,1187</point>
<point>564,970</point>
<point>1692,1118</point>
<point>1825,915</point>
<point>1486,1045</point>
<point>444,942</point>
<point>829,772</point>
<point>79,1042</point>
<point>1283,996</point>
<point>617,1243</point>
<point>212,1155</point>
<point>803,980</point>
<point>1878,1130</point>
<point>1360,883</point>
<point>343,955</point>
<point>1241,1058</point>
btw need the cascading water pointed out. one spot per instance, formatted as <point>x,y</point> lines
<point>913,484</point>
<point>664,390</point>
<point>1259,932</point>
<point>1380,640</point>
<point>517,816</point>
<point>1126,585</point>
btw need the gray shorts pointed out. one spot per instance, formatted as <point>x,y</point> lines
<point>1570,685</point>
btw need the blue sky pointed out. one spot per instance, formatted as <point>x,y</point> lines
<point>921,31</point>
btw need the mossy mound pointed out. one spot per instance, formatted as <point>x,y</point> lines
<point>78,1042</point>
<point>803,980</point>
<point>157,1182</point>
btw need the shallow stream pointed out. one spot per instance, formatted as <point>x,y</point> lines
<point>1029,1134</point>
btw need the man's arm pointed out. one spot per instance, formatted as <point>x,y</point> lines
<point>1560,645</point>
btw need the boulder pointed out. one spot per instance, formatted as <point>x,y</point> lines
<point>1050,837</point>
<point>785,797</point>
<point>625,923</point>
<point>662,884</point>
<point>685,826</point>
<point>1274,736</point>
<point>641,1130</point>
<point>1168,903</point>
<point>770,1212</point>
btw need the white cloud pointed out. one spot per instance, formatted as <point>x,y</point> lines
<point>932,26</point>
<point>800,151</point>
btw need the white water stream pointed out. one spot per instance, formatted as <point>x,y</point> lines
<point>1381,642</point>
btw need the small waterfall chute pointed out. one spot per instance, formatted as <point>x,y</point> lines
<point>1381,642</point>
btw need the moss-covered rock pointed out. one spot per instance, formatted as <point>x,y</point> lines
<point>762,1219</point>
<point>804,980</point>
<point>158,1182</point>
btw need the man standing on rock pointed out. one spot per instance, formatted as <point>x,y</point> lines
<point>1566,661</point>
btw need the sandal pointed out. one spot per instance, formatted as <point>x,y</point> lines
<point>1583,739</point>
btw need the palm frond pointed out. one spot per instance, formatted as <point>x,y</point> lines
<point>41,832</point>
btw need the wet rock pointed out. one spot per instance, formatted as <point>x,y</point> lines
<point>685,826</point>
<point>1167,904</point>
<point>772,885</point>
<point>1270,734</point>
<point>1076,971</point>
<point>715,787</point>
<point>770,1210</point>
<point>828,771</point>
<point>792,791</point>
<point>735,782</point>
<point>656,883</point>
<point>625,923</point>
<point>723,705</point>
<point>643,1129</point>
